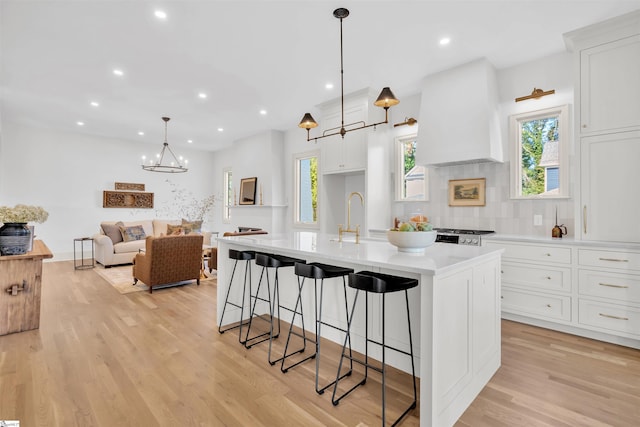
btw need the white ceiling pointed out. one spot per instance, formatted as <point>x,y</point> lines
<point>58,55</point>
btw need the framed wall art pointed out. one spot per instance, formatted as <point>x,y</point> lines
<point>129,186</point>
<point>248,191</point>
<point>127,199</point>
<point>467,192</point>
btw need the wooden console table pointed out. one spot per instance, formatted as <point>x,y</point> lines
<point>20,283</point>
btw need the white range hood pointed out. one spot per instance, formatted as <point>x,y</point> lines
<point>459,120</point>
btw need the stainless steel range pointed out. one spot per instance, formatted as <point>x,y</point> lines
<point>461,237</point>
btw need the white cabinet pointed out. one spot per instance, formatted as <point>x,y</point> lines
<point>607,58</point>
<point>610,86</point>
<point>579,287</point>
<point>536,280</point>
<point>346,154</point>
<point>609,291</point>
<point>609,173</point>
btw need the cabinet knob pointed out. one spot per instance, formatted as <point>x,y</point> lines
<point>549,305</point>
<point>547,254</point>
<point>548,277</point>
<point>584,126</point>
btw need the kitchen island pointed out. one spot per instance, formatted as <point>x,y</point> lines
<point>455,310</point>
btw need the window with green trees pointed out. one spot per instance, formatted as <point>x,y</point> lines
<point>411,181</point>
<point>306,203</point>
<point>539,164</point>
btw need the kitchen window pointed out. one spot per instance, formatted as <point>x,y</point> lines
<point>539,162</point>
<point>306,189</point>
<point>228,194</point>
<point>411,179</point>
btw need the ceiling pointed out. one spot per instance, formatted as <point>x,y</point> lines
<point>246,56</point>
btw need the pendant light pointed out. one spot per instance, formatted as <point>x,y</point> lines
<point>174,166</point>
<point>386,99</point>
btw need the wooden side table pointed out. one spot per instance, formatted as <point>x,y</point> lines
<point>79,264</point>
<point>20,283</point>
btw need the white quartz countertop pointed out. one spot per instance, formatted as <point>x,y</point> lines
<point>438,258</point>
<point>564,241</point>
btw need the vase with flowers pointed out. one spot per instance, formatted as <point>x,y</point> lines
<point>15,235</point>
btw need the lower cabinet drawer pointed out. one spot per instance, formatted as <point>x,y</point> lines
<point>619,260</point>
<point>536,277</point>
<point>542,306</point>
<point>621,287</point>
<point>612,317</point>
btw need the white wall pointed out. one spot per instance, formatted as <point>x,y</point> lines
<point>66,173</point>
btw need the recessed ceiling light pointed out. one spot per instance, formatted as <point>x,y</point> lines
<point>94,104</point>
<point>263,112</point>
<point>445,41</point>
<point>329,86</point>
<point>220,129</point>
<point>118,72</point>
<point>190,141</point>
<point>140,133</point>
<point>80,123</point>
<point>202,95</point>
<point>160,14</point>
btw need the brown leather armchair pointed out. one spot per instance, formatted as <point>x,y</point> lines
<point>213,258</point>
<point>169,259</point>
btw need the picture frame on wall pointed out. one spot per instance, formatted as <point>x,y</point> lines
<point>467,192</point>
<point>248,191</point>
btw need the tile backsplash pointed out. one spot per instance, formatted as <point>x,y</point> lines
<point>501,213</point>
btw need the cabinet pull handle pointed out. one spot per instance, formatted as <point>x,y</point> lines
<point>584,218</point>
<point>613,317</point>
<point>613,286</point>
<point>613,259</point>
<point>14,289</point>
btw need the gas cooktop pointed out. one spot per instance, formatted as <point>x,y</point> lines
<point>459,231</point>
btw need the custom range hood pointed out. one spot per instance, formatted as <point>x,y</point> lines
<point>459,120</point>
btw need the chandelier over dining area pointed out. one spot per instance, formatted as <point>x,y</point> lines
<point>386,99</point>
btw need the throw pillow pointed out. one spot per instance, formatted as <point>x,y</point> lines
<point>191,226</point>
<point>174,230</point>
<point>113,231</point>
<point>135,232</point>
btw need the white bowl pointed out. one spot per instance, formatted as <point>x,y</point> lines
<point>411,241</point>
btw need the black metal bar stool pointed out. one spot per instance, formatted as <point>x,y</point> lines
<point>315,271</point>
<point>238,256</point>
<point>379,283</point>
<point>270,261</point>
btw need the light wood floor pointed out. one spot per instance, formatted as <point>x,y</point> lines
<point>105,359</point>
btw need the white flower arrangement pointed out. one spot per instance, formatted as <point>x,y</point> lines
<point>23,214</point>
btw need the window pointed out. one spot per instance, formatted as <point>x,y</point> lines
<point>411,179</point>
<point>306,197</point>
<point>228,194</point>
<point>539,165</point>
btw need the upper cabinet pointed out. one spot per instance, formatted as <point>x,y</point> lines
<point>610,86</point>
<point>607,58</point>
<point>348,154</point>
<point>459,121</point>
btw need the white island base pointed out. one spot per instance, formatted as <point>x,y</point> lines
<point>455,311</point>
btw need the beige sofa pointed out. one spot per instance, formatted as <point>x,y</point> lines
<point>109,253</point>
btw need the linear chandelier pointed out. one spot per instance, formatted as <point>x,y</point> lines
<point>385,100</point>
<point>174,166</point>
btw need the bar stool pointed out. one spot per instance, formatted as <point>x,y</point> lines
<point>316,271</point>
<point>269,261</point>
<point>238,256</point>
<point>379,283</point>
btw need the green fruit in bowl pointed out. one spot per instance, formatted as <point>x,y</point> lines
<point>424,226</point>
<point>405,226</point>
